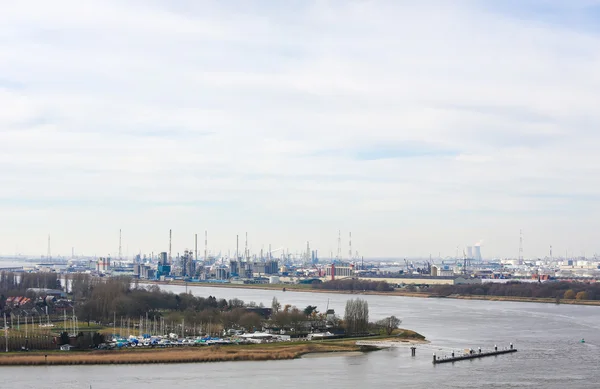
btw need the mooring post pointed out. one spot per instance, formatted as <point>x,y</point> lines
<point>433,357</point>
<point>511,346</point>
<point>413,351</point>
<point>479,349</point>
<point>495,348</point>
<point>452,353</point>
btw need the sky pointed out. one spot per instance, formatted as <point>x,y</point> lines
<point>420,127</point>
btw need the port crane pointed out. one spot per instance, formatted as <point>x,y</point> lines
<point>466,261</point>
<point>274,251</point>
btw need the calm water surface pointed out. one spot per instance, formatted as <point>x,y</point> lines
<point>547,336</point>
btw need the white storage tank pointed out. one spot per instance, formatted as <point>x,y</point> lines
<point>274,280</point>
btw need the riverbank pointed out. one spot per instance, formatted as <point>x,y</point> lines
<point>526,299</point>
<point>288,287</point>
<point>396,292</point>
<point>255,352</point>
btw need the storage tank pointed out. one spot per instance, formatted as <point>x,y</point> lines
<point>274,280</point>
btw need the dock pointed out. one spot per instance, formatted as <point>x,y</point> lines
<point>473,355</point>
<point>11,269</point>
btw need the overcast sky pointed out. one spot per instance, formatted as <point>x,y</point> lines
<point>418,126</point>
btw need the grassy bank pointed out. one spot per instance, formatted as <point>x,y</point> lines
<point>257,352</point>
<point>397,292</point>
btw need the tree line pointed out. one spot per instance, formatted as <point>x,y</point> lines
<point>557,290</point>
<point>12,284</point>
<point>354,285</point>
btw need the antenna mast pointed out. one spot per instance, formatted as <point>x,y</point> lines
<point>196,247</point>
<point>205,246</point>
<point>49,254</point>
<point>120,247</point>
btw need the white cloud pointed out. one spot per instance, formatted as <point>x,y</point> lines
<point>195,115</point>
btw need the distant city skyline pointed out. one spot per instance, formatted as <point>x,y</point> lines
<point>417,126</point>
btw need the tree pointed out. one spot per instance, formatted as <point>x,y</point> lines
<point>356,316</point>
<point>250,321</point>
<point>232,318</point>
<point>582,296</point>
<point>309,310</point>
<point>281,319</point>
<point>275,306</point>
<point>389,324</point>
<point>64,338</point>
<point>569,294</point>
<point>97,339</point>
<point>297,318</point>
<point>236,303</point>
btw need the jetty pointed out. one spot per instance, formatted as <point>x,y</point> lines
<point>471,354</point>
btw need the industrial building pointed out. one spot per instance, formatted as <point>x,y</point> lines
<point>102,265</point>
<point>334,271</point>
<point>268,267</point>
<point>442,271</point>
<point>426,280</point>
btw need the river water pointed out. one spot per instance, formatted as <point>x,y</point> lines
<point>547,336</point>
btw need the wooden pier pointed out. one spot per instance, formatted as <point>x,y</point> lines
<point>473,355</point>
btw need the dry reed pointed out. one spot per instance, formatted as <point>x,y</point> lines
<point>187,355</point>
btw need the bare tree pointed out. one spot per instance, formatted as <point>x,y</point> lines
<point>250,321</point>
<point>236,303</point>
<point>275,306</point>
<point>356,316</point>
<point>389,324</point>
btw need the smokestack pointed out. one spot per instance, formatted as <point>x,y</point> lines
<point>205,245</point>
<point>350,248</point>
<point>196,247</point>
<point>170,238</point>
